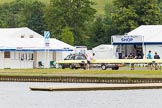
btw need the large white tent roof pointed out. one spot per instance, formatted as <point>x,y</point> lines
<point>151,33</point>
<point>18,33</point>
<point>13,41</point>
<point>33,44</point>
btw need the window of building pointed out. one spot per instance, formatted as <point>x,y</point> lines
<point>6,54</point>
<point>22,36</point>
<point>31,36</point>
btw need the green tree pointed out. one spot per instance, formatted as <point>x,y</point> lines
<point>133,13</point>
<point>67,36</point>
<point>71,13</point>
<point>10,14</point>
<point>35,18</point>
<point>98,33</point>
<point>108,21</point>
<point>22,13</point>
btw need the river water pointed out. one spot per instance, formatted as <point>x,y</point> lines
<point>18,95</point>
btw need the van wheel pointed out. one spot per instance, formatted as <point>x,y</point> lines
<point>63,67</point>
<point>103,67</point>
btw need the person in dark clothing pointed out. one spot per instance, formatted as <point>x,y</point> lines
<point>131,56</point>
<point>156,56</point>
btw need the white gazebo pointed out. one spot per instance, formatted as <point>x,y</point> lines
<point>103,51</point>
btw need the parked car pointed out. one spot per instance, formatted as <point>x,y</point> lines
<point>76,61</point>
<point>104,66</point>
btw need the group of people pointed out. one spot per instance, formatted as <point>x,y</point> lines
<point>150,56</point>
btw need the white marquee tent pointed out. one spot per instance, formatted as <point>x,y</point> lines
<point>103,51</point>
<point>150,39</point>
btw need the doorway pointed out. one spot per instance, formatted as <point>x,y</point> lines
<point>7,59</point>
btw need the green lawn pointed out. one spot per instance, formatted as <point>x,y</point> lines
<point>80,72</point>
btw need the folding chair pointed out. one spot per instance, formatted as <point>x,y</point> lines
<point>52,64</point>
<point>40,64</point>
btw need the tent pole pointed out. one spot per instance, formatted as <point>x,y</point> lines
<point>45,59</point>
<point>143,47</point>
<point>113,48</point>
<point>48,61</point>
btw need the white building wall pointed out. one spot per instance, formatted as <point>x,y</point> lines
<point>59,56</point>
<point>1,60</point>
<point>16,60</point>
<point>45,57</point>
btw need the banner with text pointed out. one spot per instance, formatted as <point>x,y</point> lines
<point>127,39</point>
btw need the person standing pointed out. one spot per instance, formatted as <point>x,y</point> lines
<point>149,56</point>
<point>131,56</point>
<point>89,58</point>
<point>156,56</point>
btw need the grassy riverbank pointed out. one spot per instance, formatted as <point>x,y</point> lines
<point>80,72</point>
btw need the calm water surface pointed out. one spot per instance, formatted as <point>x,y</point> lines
<point>18,95</point>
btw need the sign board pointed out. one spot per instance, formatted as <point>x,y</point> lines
<point>46,38</point>
<point>127,39</point>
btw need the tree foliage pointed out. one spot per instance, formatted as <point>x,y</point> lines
<point>76,22</point>
<point>10,14</point>
<point>97,34</point>
<point>133,13</point>
<point>35,18</point>
<point>73,14</point>
<point>67,36</point>
<point>22,13</point>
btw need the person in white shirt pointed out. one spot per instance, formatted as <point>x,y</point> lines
<point>89,58</point>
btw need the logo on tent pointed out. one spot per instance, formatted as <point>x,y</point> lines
<point>46,34</point>
<point>46,38</point>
